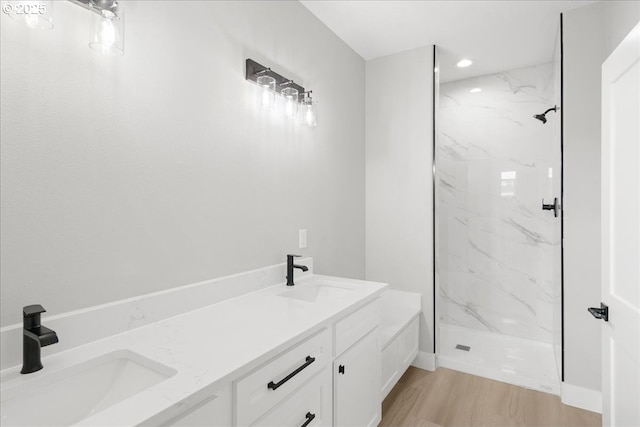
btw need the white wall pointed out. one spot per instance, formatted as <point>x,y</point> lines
<point>590,34</point>
<point>123,176</point>
<point>399,210</point>
<point>619,18</point>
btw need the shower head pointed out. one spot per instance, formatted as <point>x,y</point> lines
<point>543,117</point>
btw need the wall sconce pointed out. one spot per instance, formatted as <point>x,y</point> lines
<point>35,14</point>
<point>108,25</point>
<point>268,80</point>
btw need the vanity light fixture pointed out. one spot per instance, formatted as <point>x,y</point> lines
<point>35,14</point>
<point>108,25</point>
<point>268,80</point>
<point>463,63</point>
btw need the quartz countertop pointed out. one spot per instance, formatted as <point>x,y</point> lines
<point>209,347</point>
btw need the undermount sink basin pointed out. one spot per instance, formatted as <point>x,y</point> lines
<point>70,395</point>
<point>316,292</point>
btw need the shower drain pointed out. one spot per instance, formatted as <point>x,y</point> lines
<point>463,347</point>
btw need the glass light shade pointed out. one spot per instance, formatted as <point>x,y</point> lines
<point>108,31</point>
<point>267,92</point>
<point>290,101</point>
<point>310,112</point>
<point>35,14</point>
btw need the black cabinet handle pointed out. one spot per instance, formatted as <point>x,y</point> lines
<point>341,369</point>
<point>310,418</point>
<point>274,386</point>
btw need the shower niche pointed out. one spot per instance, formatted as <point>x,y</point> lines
<point>498,252</point>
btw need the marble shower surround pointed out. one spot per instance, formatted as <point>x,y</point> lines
<point>495,164</point>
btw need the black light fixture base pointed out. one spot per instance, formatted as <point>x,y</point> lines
<point>255,70</point>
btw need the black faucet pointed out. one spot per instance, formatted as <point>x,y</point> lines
<point>291,266</point>
<point>34,336</point>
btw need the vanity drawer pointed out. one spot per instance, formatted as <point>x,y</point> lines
<point>353,327</point>
<point>310,406</point>
<point>262,389</point>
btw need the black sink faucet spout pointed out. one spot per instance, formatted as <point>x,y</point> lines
<point>291,266</point>
<point>34,336</point>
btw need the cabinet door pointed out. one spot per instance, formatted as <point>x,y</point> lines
<point>356,380</point>
<point>390,366</point>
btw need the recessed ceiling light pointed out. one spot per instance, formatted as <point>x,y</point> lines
<point>476,90</point>
<point>464,63</point>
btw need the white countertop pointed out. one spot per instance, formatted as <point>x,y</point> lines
<point>208,347</point>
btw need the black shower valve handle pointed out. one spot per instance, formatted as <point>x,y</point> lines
<point>555,207</point>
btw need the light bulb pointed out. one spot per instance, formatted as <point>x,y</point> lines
<point>308,117</point>
<point>267,99</point>
<point>310,113</point>
<point>289,107</point>
<point>266,96</point>
<point>290,101</point>
<point>108,33</point>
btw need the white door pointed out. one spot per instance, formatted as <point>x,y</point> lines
<point>621,233</point>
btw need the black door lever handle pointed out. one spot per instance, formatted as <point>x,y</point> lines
<point>600,313</point>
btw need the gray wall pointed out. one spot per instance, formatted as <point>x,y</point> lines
<point>590,34</point>
<point>399,248</point>
<point>123,176</point>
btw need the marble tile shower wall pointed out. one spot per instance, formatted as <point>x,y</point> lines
<point>495,164</point>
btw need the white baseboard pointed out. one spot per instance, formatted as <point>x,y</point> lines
<point>583,398</point>
<point>425,361</point>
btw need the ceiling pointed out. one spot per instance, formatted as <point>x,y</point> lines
<point>496,35</point>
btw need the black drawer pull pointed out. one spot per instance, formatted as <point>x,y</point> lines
<point>310,418</point>
<point>274,386</point>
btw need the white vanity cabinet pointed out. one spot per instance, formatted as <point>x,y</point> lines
<point>331,378</point>
<point>357,370</point>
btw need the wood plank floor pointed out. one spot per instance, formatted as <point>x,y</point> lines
<point>447,398</point>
